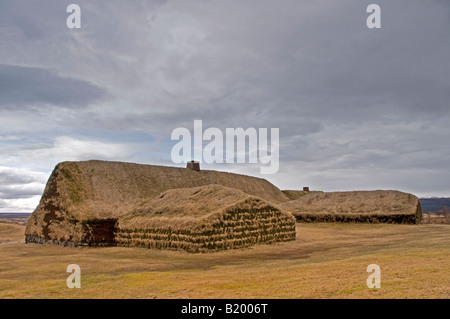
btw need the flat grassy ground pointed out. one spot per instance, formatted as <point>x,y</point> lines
<point>326,261</point>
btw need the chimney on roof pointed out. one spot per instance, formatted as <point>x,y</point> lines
<point>193,165</point>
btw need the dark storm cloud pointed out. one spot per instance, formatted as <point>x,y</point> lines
<point>16,184</point>
<point>9,177</point>
<point>295,65</point>
<point>30,86</point>
<point>26,191</point>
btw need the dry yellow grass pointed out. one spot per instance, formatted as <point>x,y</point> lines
<point>326,261</point>
<point>10,232</point>
<point>442,218</point>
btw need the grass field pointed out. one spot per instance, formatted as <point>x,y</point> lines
<point>436,218</point>
<point>326,261</point>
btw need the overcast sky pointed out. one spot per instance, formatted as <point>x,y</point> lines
<point>357,108</point>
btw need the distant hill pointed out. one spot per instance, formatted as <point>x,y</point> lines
<point>434,204</point>
<point>14,215</point>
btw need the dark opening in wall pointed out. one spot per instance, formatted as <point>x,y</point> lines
<point>99,231</point>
